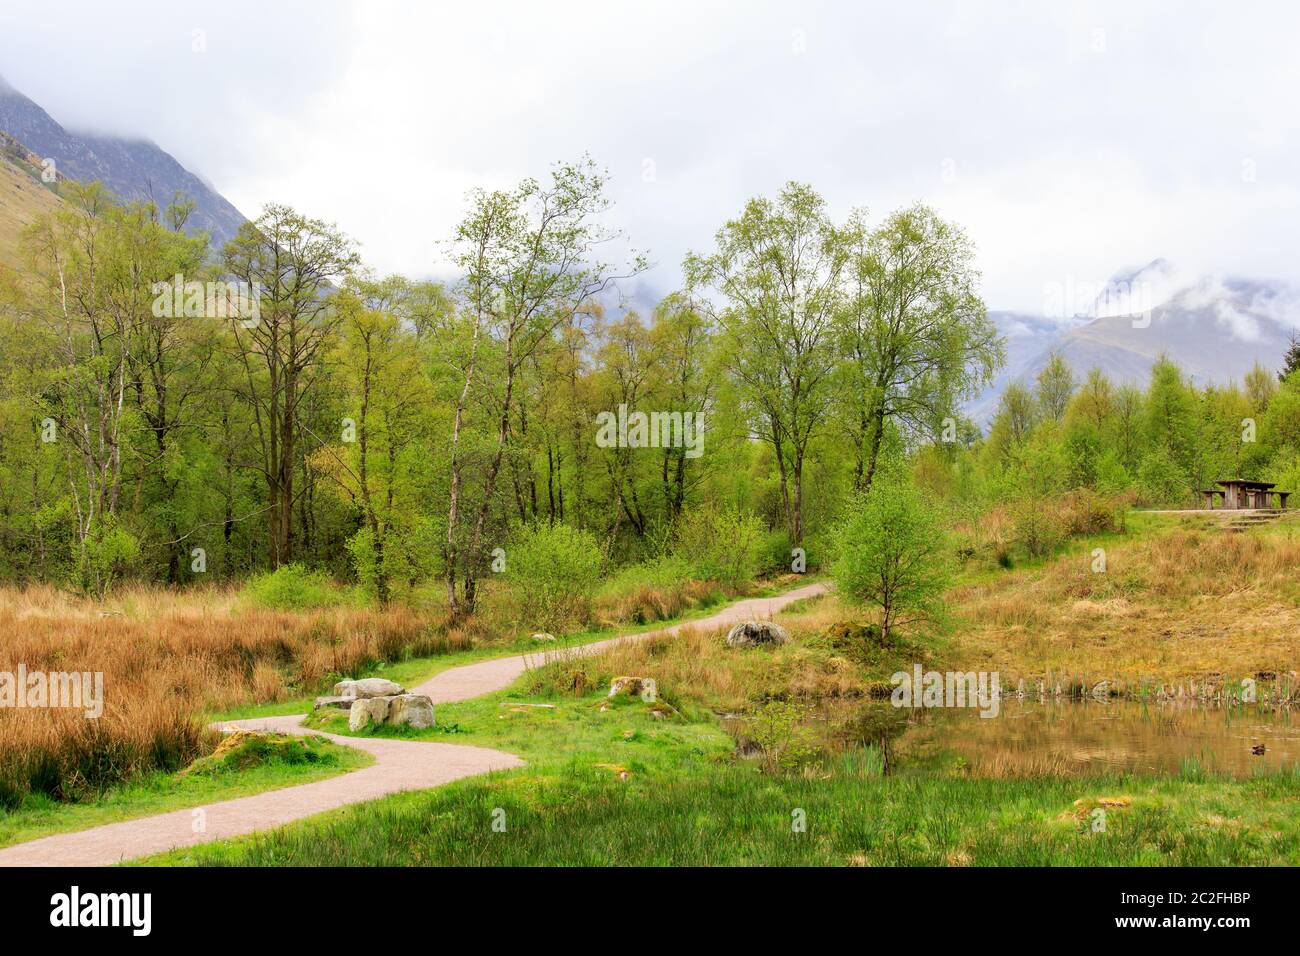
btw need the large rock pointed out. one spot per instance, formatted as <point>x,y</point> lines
<point>368,687</point>
<point>366,710</point>
<point>631,686</point>
<point>413,710</point>
<point>338,703</point>
<point>757,634</point>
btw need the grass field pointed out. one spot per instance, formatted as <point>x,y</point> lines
<point>767,756</point>
<point>630,782</point>
<point>1174,603</point>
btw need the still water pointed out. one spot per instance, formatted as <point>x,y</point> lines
<point>1087,736</point>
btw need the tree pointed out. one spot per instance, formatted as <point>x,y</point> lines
<point>1291,360</point>
<point>682,379</point>
<point>292,265</point>
<point>918,338</point>
<point>1095,400</point>
<point>777,268</point>
<point>95,265</point>
<point>1016,417</point>
<point>625,362</point>
<point>1055,386</point>
<point>1171,419</point>
<point>527,257</point>
<point>375,470</point>
<point>891,555</point>
<point>1260,385</point>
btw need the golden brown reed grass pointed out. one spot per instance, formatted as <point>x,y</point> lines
<point>166,657</point>
<point>645,603</point>
<point>1184,605</point>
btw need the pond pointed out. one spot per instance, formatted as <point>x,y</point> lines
<point>1073,737</point>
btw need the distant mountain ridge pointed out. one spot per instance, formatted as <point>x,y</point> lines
<point>131,168</point>
<point>1216,330</point>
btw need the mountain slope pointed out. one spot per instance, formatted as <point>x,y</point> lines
<point>23,197</point>
<point>131,168</point>
<point>1216,331</point>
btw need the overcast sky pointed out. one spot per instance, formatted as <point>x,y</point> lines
<point>1071,140</point>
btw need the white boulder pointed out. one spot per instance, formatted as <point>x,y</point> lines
<point>368,687</point>
<point>413,710</point>
<point>366,710</point>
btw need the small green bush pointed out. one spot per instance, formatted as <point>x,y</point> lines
<point>1163,480</point>
<point>554,572</point>
<point>723,545</point>
<point>293,587</point>
<point>665,571</point>
<point>776,552</point>
<point>244,750</point>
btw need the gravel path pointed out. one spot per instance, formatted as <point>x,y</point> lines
<point>399,764</point>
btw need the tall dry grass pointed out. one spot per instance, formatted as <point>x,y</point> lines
<point>646,603</point>
<point>166,657</point>
<point>1183,605</point>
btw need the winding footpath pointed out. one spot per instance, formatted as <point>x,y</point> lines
<point>399,764</point>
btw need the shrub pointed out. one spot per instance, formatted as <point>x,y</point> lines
<point>105,555</point>
<point>1163,480</point>
<point>722,545</point>
<point>776,552</point>
<point>1084,513</point>
<point>554,571</point>
<point>652,591</point>
<point>890,551</point>
<point>779,729</point>
<point>1038,524</point>
<point>292,587</point>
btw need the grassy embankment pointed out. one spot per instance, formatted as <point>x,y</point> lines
<point>633,782</point>
<point>267,763</point>
<point>1178,603</point>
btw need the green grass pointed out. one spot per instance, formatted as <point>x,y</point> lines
<point>155,793</point>
<point>620,786</point>
<point>621,791</point>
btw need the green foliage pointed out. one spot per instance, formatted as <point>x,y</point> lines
<point>1110,475</point>
<point>293,587</point>
<point>775,552</point>
<point>664,571</point>
<point>891,555</point>
<point>721,544</point>
<point>779,728</point>
<point>1162,480</point>
<point>105,554</point>
<point>553,571</point>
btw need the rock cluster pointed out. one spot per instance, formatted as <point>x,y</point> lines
<point>380,701</point>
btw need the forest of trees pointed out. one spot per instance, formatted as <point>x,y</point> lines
<point>172,412</point>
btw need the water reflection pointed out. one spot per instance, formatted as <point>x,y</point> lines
<point>1087,736</point>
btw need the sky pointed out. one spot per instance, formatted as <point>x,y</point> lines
<point>1072,141</point>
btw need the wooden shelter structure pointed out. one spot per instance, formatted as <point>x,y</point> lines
<point>1240,494</point>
